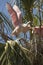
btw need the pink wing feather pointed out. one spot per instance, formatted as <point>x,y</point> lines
<point>15,14</point>
<point>15,7</point>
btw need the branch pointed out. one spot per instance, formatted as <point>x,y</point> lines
<point>5,37</point>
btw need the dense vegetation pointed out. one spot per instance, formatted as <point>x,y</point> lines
<point>14,53</point>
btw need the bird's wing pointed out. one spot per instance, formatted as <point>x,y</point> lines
<point>19,14</point>
<point>14,14</point>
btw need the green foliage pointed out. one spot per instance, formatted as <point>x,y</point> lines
<point>1,48</point>
<point>28,5</point>
<point>14,54</point>
<point>35,21</point>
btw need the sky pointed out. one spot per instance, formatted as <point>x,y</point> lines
<point>3,6</point>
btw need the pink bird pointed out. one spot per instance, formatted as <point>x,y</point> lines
<point>16,17</point>
<point>15,14</point>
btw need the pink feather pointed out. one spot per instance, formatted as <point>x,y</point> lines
<point>15,14</point>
